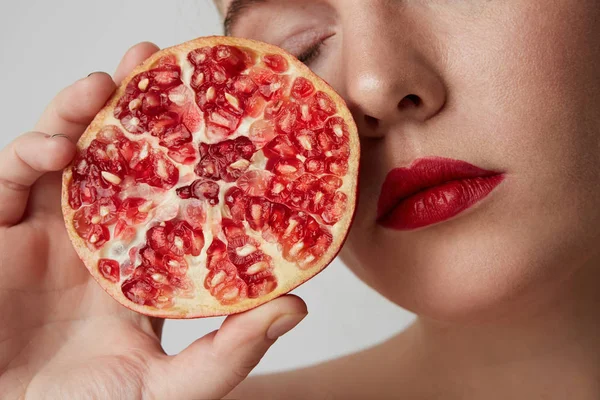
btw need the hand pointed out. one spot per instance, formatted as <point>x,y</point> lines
<point>61,335</point>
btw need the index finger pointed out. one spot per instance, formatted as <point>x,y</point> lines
<point>132,58</point>
<point>71,111</point>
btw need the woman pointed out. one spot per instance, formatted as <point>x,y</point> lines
<point>505,290</point>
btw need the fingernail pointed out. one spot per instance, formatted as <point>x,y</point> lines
<point>95,72</point>
<point>283,325</point>
<point>60,135</point>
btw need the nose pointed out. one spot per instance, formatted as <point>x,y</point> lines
<point>389,72</point>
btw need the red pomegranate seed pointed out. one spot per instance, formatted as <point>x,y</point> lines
<point>205,190</point>
<point>109,269</point>
<point>302,88</point>
<point>276,62</point>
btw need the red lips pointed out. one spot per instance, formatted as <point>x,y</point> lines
<point>432,190</point>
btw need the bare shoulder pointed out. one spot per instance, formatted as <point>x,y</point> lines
<point>377,371</point>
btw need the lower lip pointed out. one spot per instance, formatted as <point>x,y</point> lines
<point>439,203</point>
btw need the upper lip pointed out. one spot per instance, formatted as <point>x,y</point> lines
<point>422,174</point>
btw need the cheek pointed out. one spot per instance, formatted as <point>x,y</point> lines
<point>530,89</point>
<point>524,100</point>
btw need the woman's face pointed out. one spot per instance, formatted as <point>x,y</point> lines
<point>511,86</point>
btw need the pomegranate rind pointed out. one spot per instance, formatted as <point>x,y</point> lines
<point>203,305</point>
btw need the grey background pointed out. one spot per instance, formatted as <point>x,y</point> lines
<point>46,45</point>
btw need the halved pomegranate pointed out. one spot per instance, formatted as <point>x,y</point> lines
<point>220,175</point>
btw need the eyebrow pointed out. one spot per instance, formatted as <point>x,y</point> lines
<point>236,9</point>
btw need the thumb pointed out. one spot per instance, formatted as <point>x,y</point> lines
<point>215,364</point>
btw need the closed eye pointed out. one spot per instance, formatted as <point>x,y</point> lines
<point>311,53</point>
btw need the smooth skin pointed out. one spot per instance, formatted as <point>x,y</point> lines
<point>61,336</point>
<point>506,292</point>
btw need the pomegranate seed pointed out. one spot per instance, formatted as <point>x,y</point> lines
<point>112,178</point>
<point>240,164</point>
<point>302,88</point>
<point>143,85</point>
<point>261,132</point>
<point>218,278</point>
<point>134,104</point>
<point>290,167</point>
<point>109,134</point>
<point>288,120</point>
<point>263,287</point>
<point>205,190</point>
<point>199,56</point>
<point>330,183</point>
<point>197,80</point>
<point>194,212</point>
<point>98,236</point>
<point>337,167</point>
<point>276,62</point>
<point>232,100</point>
<point>222,52</point>
<point>244,84</point>
<point>167,77</point>
<point>133,124</point>
<point>184,154</point>
<point>255,106</point>
<point>219,77</point>
<point>335,209</point>
<point>109,269</point>
<point>184,192</point>
<point>258,267</point>
<point>178,95</point>
<point>324,102</point>
<point>230,293</point>
<point>254,183</point>
<point>210,93</point>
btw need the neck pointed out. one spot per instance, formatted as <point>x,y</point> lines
<point>553,348</point>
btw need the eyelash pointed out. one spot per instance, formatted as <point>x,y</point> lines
<point>311,53</point>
